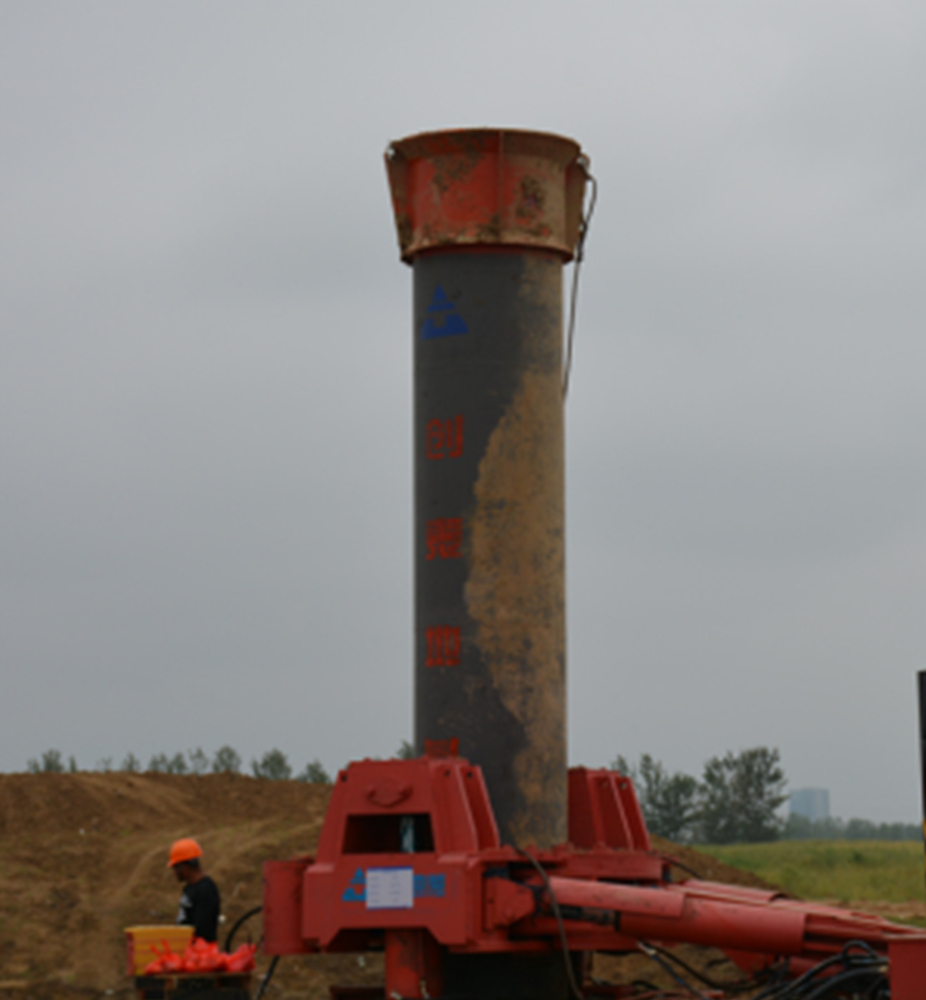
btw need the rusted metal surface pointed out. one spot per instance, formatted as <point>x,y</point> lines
<point>515,595</point>
<point>490,603</point>
<point>487,217</point>
<point>479,187</point>
<point>489,559</point>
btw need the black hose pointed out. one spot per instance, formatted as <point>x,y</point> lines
<point>564,943</point>
<point>229,940</point>
<point>680,864</point>
<point>865,970</point>
<point>268,975</point>
<point>839,984</point>
<point>740,986</point>
<point>654,956</point>
<point>230,936</point>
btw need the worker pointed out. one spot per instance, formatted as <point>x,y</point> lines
<point>199,902</point>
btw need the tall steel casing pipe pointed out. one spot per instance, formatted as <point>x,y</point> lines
<point>487,219</point>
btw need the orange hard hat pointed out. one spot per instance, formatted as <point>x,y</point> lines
<point>184,849</point>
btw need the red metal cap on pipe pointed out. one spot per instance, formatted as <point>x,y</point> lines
<point>486,187</point>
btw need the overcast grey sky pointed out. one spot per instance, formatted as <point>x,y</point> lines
<point>205,384</point>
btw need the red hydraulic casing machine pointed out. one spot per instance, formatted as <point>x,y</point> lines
<point>409,861</point>
<point>484,868</point>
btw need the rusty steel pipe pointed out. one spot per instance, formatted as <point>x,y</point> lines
<point>487,218</point>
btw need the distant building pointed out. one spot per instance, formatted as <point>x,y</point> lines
<point>813,803</point>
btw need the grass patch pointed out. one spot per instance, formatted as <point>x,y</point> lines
<point>847,870</point>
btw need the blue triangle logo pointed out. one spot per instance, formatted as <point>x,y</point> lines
<point>442,320</point>
<point>356,889</point>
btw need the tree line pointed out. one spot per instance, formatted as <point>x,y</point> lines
<point>834,828</point>
<point>735,801</point>
<point>274,765</point>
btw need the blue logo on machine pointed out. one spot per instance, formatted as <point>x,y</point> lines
<point>356,891</point>
<point>442,320</point>
<point>430,886</point>
<point>425,887</point>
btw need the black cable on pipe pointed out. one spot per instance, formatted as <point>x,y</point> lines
<point>554,906</point>
<point>579,255</point>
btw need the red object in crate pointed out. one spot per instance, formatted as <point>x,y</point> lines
<point>201,956</point>
<point>409,860</point>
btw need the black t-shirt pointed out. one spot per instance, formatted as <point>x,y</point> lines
<point>199,906</point>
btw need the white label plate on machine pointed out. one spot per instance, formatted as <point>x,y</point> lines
<point>390,888</point>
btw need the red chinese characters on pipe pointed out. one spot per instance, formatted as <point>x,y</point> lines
<point>444,438</point>
<point>444,538</point>
<point>443,646</point>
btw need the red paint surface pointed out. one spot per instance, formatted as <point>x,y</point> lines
<point>486,188</point>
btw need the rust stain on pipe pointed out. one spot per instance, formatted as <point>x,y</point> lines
<point>515,590</point>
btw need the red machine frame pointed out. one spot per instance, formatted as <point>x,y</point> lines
<point>409,861</point>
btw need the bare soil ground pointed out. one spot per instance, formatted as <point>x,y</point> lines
<point>84,855</point>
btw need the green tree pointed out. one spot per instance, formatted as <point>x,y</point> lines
<point>227,760</point>
<point>620,763</point>
<point>669,801</point>
<point>273,765</point>
<point>51,762</point>
<point>314,772</point>
<point>406,751</point>
<point>131,763</point>
<point>739,797</point>
<point>162,764</point>
<point>199,761</point>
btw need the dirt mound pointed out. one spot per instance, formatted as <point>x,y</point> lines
<point>84,855</point>
<point>692,863</point>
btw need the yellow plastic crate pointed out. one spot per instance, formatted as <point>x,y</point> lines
<point>139,941</point>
